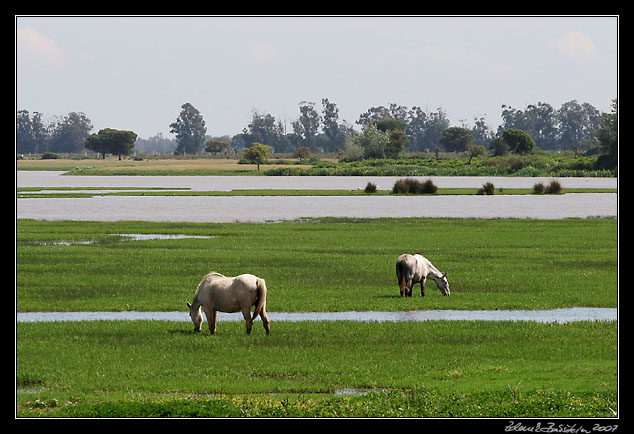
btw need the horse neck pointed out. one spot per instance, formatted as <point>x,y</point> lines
<point>434,273</point>
<point>195,302</point>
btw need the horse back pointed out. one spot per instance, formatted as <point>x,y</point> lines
<point>406,262</point>
<point>414,266</point>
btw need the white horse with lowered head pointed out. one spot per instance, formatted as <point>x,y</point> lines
<point>412,269</point>
<point>229,294</point>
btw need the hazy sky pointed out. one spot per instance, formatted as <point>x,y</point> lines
<point>134,73</point>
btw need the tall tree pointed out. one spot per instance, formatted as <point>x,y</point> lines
<point>543,124</point>
<point>334,132</point>
<point>189,129</point>
<point>308,123</point>
<point>24,138</point>
<point>436,123</point>
<point>482,134</point>
<point>265,129</point>
<point>577,122</point>
<point>608,137</point>
<point>69,133</point>
<point>373,114</point>
<point>416,129</point>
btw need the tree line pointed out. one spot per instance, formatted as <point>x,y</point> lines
<point>573,126</point>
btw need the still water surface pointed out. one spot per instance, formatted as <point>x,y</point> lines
<point>563,315</point>
<point>226,183</point>
<point>265,209</point>
<point>259,209</point>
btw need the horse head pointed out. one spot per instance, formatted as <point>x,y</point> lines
<point>196,315</point>
<point>443,284</point>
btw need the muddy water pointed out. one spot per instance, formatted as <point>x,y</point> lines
<point>563,315</point>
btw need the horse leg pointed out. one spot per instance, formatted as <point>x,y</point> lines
<point>265,322</point>
<point>246,313</point>
<point>422,286</point>
<point>211,319</point>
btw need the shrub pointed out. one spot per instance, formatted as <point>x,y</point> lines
<point>538,188</point>
<point>413,186</point>
<point>554,187</point>
<point>400,186</point>
<point>427,187</point>
<point>370,188</point>
<point>487,189</point>
<point>49,156</point>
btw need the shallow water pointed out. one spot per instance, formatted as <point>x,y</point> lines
<point>225,183</point>
<point>125,237</point>
<point>563,315</point>
<point>260,209</point>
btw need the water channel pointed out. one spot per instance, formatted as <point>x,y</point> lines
<point>563,315</point>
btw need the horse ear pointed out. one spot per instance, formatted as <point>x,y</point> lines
<point>189,305</point>
<point>444,275</point>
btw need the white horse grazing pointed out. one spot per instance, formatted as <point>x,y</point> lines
<point>411,269</point>
<point>229,294</point>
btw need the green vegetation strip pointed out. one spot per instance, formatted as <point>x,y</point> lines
<point>540,163</point>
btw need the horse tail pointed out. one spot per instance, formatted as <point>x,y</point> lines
<point>401,271</point>
<point>403,283</point>
<point>260,299</point>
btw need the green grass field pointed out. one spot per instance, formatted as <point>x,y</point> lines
<point>430,369</point>
<point>427,369</point>
<point>320,265</point>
